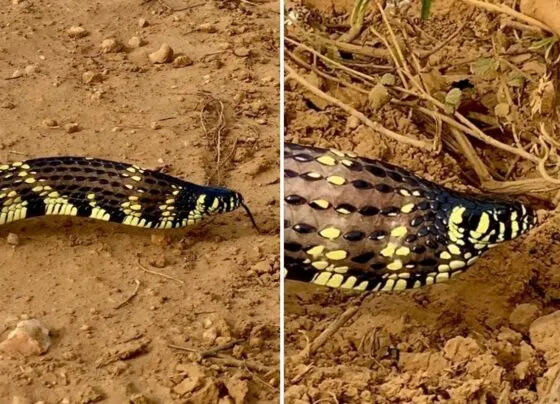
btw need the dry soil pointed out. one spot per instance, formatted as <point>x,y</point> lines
<point>486,337</point>
<point>71,275</point>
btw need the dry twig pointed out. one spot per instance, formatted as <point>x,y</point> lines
<point>502,8</point>
<point>209,352</point>
<point>251,365</point>
<point>159,273</point>
<point>129,298</point>
<point>373,125</point>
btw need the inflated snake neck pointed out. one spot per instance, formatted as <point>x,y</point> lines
<point>358,223</point>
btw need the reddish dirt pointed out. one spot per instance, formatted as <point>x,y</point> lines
<point>471,340</point>
<point>70,275</point>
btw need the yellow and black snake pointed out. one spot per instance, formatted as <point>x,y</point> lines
<point>362,224</point>
<point>109,191</point>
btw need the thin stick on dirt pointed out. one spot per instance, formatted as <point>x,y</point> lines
<point>367,51</point>
<point>392,36</point>
<point>209,352</point>
<point>320,73</point>
<point>182,348</point>
<point>332,328</point>
<point>373,125</point>
<point>251,365</point>
<point>394,57</point>
<point>176,10</point>
<point>214,351</point>
<point>217,138</point>
<point>159,273</point>
<point>334,63</point>
<point>297,378</point>
<point>224,161</point>
<point>324,400</point>
<point>129,298</point>
<point>502,8</point>
<point>261,381</point>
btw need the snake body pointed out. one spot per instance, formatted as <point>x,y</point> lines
<point>106,190</point>
<point>362,224</point>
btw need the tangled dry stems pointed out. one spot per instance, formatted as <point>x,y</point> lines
<point>454,131</point>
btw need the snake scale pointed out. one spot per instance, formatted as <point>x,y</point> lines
<point>362,224</point>
<point>109,191</point>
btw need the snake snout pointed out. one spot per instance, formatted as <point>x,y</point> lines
<point>503,223</point>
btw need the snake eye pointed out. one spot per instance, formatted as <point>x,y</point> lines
<point>502,215</point>
<point>473,221</point>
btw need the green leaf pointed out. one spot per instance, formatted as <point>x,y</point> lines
<point>516,80</point>
<point>484,67</point>
<point>358,11</point>
<point>426,6</point>
<point>453,97</point>
<point>543,43</point>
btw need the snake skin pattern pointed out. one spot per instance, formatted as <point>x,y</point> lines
<point>362,224</point>
<point>106,190</point>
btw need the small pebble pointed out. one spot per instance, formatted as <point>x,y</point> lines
<point>90,77</point>
<point>29,338</point>
<point>242,52</point>
<point>255,342</point>
<point>142,22</point>
<point>50,123</point>
<point>182,61</point>
<point>20,400</point>
<point>136,42</point>
<point>77,32</point>
<point>163,55</point>
<point>523,315</point>
<point>12,239</point>
<point>158,261</point>
<point>71,127</point>
<point>30,69</point>
<point>352,122</point>
<point>207,27</point>
<point>110,45</point>
<point>138,398</point>
<point>155,125</point>
<point>160,240</point>
<point>261,267</point>
<point>210,335</point>
<point>7,105</point>
<point>16,74</point>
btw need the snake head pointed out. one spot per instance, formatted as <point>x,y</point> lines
<point>486,223</point>
<point>219,200</point>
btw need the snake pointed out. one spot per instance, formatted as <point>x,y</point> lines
<point>108,191</point>
<point>363,224</point>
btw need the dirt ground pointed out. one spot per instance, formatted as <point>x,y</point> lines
<point>72,275</point>
<point>489,336</point>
